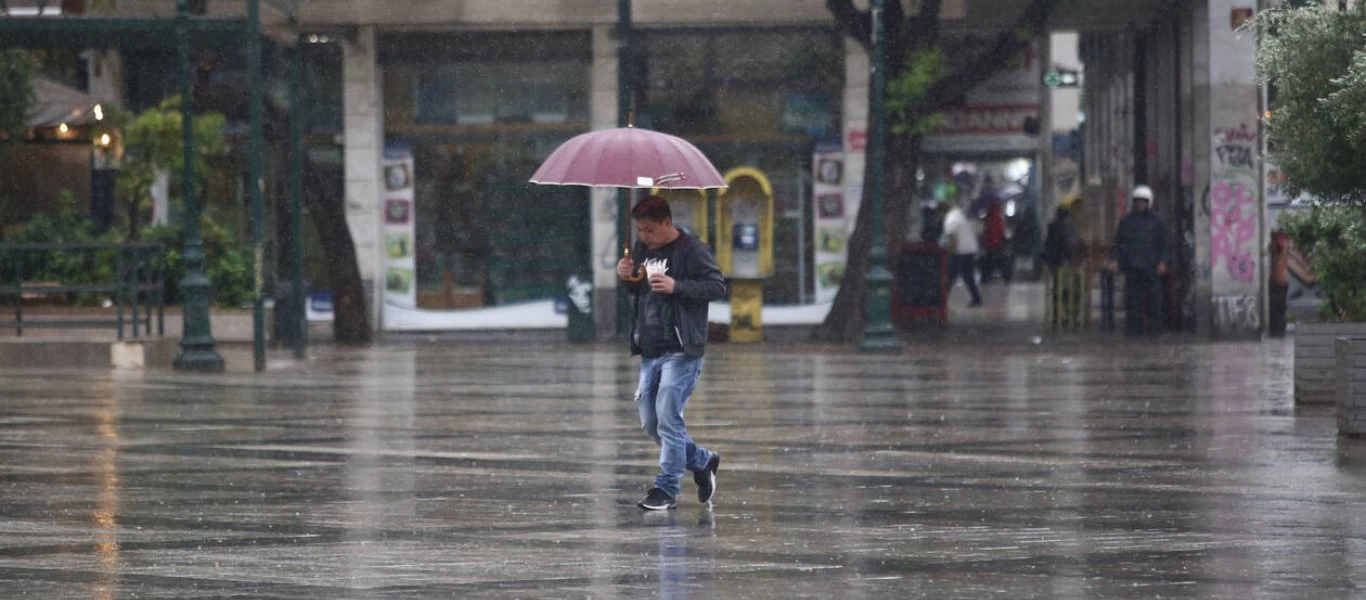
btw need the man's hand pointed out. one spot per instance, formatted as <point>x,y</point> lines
<point>662,284</point>
<point>1112,266</point>
<point>1161,269</point>
<point>626,267</point>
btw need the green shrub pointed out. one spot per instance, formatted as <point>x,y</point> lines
<point>66,226</point>
<point>227,262</point>
<point>1333,237</point>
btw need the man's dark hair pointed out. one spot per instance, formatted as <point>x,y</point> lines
<point>654,208</point>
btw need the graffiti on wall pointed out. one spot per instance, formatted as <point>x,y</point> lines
<point>1237,313</point>
<point>1233,222</point>
<point>1233,204</point>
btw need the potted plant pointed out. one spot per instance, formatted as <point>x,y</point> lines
<point>1311,57</point>
<point>1333,236</point>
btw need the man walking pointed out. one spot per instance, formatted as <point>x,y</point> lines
<point>960,240</point>
<point>669,332</point>
<point>1140,251</point>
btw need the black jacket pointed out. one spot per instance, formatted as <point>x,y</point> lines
<point>1140,242</point>
<point>698,282</point>
<point>1057,247</point>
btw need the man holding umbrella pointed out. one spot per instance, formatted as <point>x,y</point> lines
<point>669,332</point>
<point>669,323</point>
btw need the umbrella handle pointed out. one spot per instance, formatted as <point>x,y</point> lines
<point>636,276</point>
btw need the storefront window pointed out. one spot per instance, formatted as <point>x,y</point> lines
<point>744,84</point>
<point>481,112</point>
<point>753,98</point>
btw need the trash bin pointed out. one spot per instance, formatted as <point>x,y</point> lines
<point>289,317</point>
<point>579,308</point>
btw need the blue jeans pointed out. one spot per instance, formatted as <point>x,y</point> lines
<point>666,383</point>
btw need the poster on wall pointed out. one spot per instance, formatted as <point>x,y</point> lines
<point>831,218</point>
<point>400,266</point>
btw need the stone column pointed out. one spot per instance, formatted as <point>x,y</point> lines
<point>1232,202</point>
<point>606,246</point>
<point>363,119</point>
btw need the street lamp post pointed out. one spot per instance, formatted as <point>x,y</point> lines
<point>624,95</point>
<point>196,343</point>
<point>255,182</point>
<point>878,334</point>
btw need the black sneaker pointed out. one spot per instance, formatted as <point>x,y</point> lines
<point>657,499</point>
<point>706,479</point>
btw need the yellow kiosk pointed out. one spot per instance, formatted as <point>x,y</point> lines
<point>689,208</point>
<point>744,248</point>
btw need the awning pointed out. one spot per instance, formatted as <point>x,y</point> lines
<point>54,104</point>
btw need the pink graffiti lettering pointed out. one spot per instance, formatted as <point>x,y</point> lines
<point>1233,223</point>
<point>1242,133</point>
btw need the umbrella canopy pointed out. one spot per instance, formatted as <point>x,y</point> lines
<point>628,157</point>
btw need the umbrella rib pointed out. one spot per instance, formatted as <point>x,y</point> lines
<point>659,159</point>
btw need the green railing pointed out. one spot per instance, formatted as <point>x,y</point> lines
<point>131,276</point>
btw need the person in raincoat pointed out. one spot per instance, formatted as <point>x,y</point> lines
<point>1140,251</point>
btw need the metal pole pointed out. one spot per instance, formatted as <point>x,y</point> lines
<point>878,334</point>
<point>196,343</point>
<point>255,182</point>
<point>296,199</point>
<point>803,203</point>
<point>624,95</point>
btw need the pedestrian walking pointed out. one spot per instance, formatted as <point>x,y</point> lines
<point>669,332</point>
<point>997,258</point>
<point>960,240</point>
<point>1140,251</point>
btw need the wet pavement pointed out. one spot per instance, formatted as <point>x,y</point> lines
<point>420,470</point>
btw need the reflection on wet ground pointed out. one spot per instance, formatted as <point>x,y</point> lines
<point>481,470</point>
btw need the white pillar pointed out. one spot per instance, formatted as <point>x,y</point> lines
<point>1234,197</point>
<point>606,239</point>
<point>363,119</point>
<point>106,74</point>
<point>855,126</point>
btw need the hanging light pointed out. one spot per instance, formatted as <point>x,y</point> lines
<point>104,140</point>
<point>63,128</point>
<point>99,112</point>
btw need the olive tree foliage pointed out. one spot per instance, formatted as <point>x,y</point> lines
<point>1315,60</point>
<point>923,83</point>
<point>17,70</point>
<point>153,141</point>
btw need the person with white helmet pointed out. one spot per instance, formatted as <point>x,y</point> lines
<point>1140,250</point>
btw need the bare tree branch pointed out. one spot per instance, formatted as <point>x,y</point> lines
<point>855,23</point>
<point>1032,22</point>
<point>923,29</point>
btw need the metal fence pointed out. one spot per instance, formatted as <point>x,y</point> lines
<point>131,276</point>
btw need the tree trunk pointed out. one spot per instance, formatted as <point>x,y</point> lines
<point>903,160</point>
<point>844,322</point>
<point>351,322</point>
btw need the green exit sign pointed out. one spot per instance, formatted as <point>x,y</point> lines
<point>1062,78</point>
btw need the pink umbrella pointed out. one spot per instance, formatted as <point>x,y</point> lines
<point>628,157</point>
